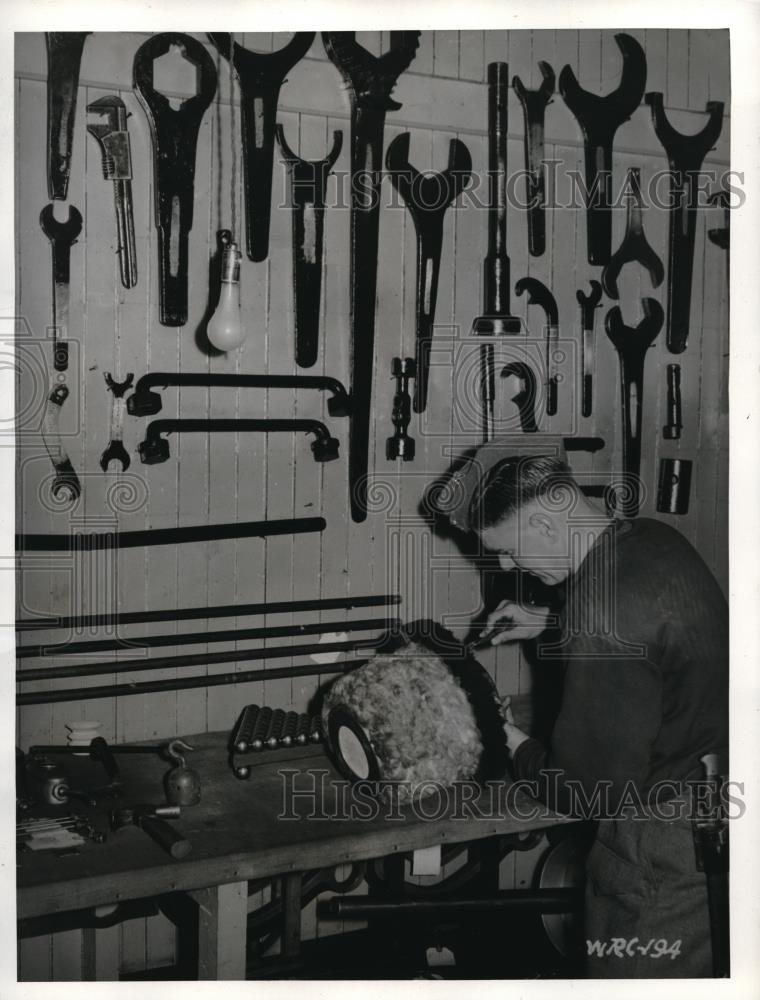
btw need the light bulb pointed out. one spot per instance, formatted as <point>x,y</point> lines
<point>225,328</point>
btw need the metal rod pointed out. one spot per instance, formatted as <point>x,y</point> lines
<point>540,900</point>
<point>88,542</point>
<point>195,638</point>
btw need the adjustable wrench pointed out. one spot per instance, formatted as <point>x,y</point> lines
<point>534,104</point>
<point>116,450</point>
<point>308,184</point>
<point>588,304</point>
<point>113,140</point>
<point>427,196</point>
<point>539,295</point>
<point>64,55</point>
<point>632,343</point>
<point>62,236</point>
<point>371,80</point>
<point>635,247</point>
<point>175,137</point>
<point>685,155</point>
<point>599,119</point>
<point>526,396</point>
<point>66,486</point>
<point>260,76</point>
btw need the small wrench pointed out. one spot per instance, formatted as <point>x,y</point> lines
<point>589,304</point>
<point>534,104</point>
<point>116,450</point>
<point>539,295</point>
<point>62,236</point>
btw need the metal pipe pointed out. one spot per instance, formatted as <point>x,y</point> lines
<point>78,541</point>
<point>195,638</point>
<point>181,684</point>
<point>539,900</point>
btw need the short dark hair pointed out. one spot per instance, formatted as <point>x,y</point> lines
<point>514,482</point>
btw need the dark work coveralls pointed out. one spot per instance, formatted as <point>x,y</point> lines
<point>644,641</point>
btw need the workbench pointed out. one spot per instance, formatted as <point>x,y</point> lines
<point>243,831</point>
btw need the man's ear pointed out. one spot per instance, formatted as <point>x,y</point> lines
<point>543,524</point>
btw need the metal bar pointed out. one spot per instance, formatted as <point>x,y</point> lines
<point>540,900</point>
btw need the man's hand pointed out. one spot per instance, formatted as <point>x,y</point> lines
<point>512,623</point>
<point>515,735</point>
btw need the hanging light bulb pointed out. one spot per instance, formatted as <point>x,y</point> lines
<point>225,328</point>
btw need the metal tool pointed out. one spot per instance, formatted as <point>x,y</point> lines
<point>427,196</point>
<point>400,444</point>
<point>175,136</point>
<point>62,236</point>
<point>588,303</point>
<point>260,76</point>
<point>145,403</point>
<point>258,729</point>
<point>539,295</point>
<point>534,103</point>
<point>116,450</point>
<point>64,55</point>
<point>370,80</point>
<point>308,188</point>
<point>632,343</point>
<point>182,784</point>
<point>526,396</point>
<point>66,487</point>
<point>711,844</point>
<point>674,485</point>
<point>635,247</point>
<point>685,155</point>
<point>113,140</point>
<point>152,819</point>
<point>672,429</point>
<point>154,449</point>
<point>721,237</point>
<point>599,119</point>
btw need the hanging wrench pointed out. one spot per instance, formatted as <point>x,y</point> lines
<point>260,76</point>
<point>64,55</point>
<point>632,343</point>
<point>308,183</point>
<point>539,295</point>
<point>66,486</point>
<point>599,119</point>
<point>427,196</point>
<point>685,155</point>
<point>116,450</point>
<point>62,236</point>
<point>635,247</point>
<point>371,80</point>
<point>526,396</point>
<point>588,304</point>
<point>175,137</point>
<point>534,103</point>
<point>113,140</point>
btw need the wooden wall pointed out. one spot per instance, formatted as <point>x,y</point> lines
<point>227,478</point>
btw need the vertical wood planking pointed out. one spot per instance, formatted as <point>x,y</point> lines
<point>446,53</point>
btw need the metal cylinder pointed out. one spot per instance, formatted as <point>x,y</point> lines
<point>674,486</point>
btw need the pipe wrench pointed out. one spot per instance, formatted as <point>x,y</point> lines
<point>113,140</point>
<point>64,55</point>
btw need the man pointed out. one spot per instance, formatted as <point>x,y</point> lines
<point>643,637</point>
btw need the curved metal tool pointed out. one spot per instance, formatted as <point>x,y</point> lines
<point>526,396</point>
<point>175,137</point>
<point>64,55</point>
<point>599,119</point>
<point>62,236</point>
<point>632,343</point>
<point>66,485</point>
<point>155,449</point>
<point>260,76</point>
<point>116,452</point>
<point>308,184</point>
<point>685,155</point>
<point>635,247</point>
<point>534,103</point>
<point>588,304</point>
<point>539,295</point>
<point>427,196</point>
<point>370,80</point>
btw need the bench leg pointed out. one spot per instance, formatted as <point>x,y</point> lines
<point>222,917</point>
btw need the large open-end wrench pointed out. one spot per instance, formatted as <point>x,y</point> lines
<point>371,80</point>
<point>308,187</point>
<point>599,119</point>
<point>539,295</point>
<point>525,398</point>
<point>635,248</point>
<point>589,304</point>
<point>64,55</point>
<point>260,75</point>
<point>113,140</point>
<point>427,196</point>
<point>534,104</point>
<point>62,236</point>
<point>632,344</point>
<point>685,155</point>
<point>175,137</point>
